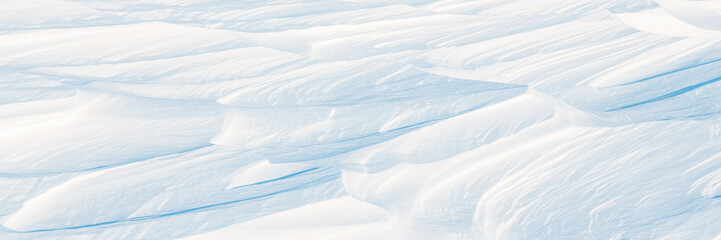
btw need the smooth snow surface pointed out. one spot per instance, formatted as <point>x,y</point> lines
<point>360,119</point>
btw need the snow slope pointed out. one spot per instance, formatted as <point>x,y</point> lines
<point>360,119</point>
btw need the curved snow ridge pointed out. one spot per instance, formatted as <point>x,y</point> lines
<point>120,43</point>
<point>434,142</point>
<point>43,137</point>
<point>511,188</point>
<point>34,14</point>
<point>705,14</point>
<point>195,68</point>
<point>339,218</point>
<point>660,21</point>
<point>153,191</point>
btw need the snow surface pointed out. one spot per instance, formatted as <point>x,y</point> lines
<point>360,119</point>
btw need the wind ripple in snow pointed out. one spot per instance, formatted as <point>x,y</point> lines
<point>333,119</point>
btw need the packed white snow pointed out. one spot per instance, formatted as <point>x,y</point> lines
<point>360,119</point>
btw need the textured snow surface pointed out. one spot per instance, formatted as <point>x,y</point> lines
<point>360,119</point>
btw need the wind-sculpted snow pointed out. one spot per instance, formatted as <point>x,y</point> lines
<point>351,119</point>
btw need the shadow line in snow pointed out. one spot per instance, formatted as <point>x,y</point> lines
<point>672,72</point>
<point>669,95</point>
<point>195,209</point>
<point>280,178</point>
